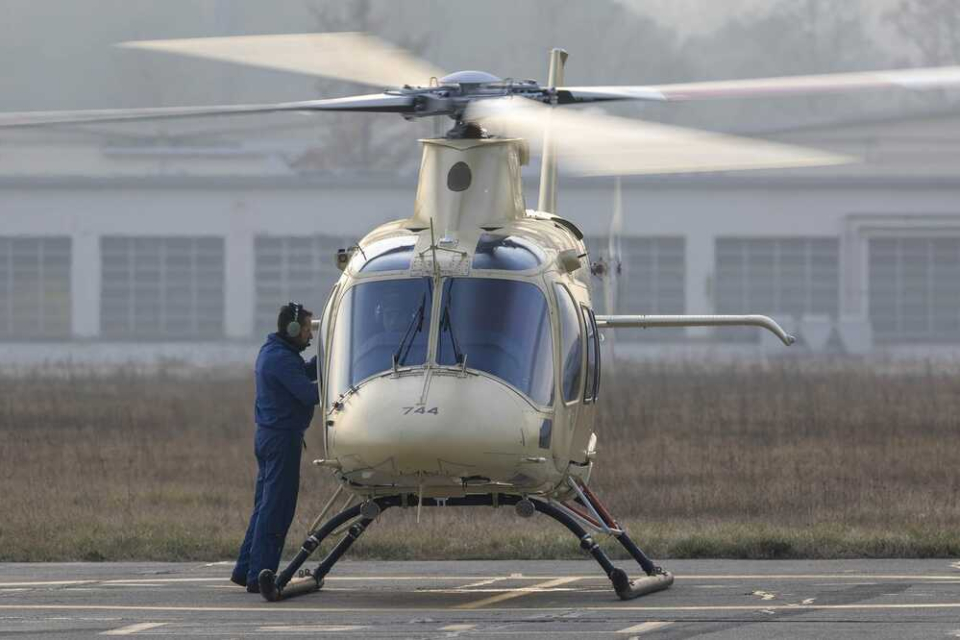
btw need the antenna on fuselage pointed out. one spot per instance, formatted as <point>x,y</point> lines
<point>548,162</point>
<point>433,252</point>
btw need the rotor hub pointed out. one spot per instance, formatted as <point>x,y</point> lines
<point>469,78</point>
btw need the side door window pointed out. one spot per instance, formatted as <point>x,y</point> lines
<point>571,345</point>
<point>592,382</point>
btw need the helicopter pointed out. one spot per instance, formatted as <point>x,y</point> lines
<point>459,349</point>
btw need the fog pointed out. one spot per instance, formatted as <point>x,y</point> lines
<point>870,250</point>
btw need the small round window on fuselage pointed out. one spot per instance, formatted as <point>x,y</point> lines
<point>459,177</point>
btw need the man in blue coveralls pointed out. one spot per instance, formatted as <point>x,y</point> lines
<point>287,392</point>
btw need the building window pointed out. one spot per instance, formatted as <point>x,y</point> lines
<point>914,289</point>
<point>162,288</point>
<point>296,268</point>
<point>34,287</point>
<point>780,277</point>
<point>651,281</point>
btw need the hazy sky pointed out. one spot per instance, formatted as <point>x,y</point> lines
<point>59,55</point>
<point>700,16</point>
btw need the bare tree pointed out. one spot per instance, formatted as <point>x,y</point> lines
<point>791,37</point>
<point>932,26</point>
<point>353,142</point>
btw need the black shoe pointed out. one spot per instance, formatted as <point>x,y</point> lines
<point>239,580</point>
<point>253,588</point>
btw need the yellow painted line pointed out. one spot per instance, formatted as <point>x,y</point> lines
<point>645,627</point>
<point>134,628</point>
<point>458,627</point>
<point>516,593</point>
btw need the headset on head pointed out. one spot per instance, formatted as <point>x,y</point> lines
<point>293,327</point>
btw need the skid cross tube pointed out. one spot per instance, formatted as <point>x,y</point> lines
<point>275,587</point>
<point>619,532</point>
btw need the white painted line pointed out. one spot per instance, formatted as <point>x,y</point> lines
<point>530,589</point>
<point>50,583</point>
<point>690,576</point>
<point>593,576</point>
<point>152,585</point>
<point>130,580</point>
<point>133,628</point>
<point>263,608</point>
<point>458,627</point>
<point>516,593</point>
<point>310,628</point>
<point>645,627</point>
<point>482,583</point>
<point>138,580</point>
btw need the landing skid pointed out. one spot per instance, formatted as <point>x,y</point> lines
<point>293,581</point>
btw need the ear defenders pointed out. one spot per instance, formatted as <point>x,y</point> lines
<point>293,327</point>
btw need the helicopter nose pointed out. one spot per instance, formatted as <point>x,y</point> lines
<point>451,425</point>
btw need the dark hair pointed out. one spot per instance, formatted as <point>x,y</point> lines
<point>286,317</point>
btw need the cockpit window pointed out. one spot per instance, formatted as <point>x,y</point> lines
<point>377,322</point>
<point>389,254</point>
<point>508,253</point>
<point>592,382</point>
<point>501,327</point>
<point>571,344</point>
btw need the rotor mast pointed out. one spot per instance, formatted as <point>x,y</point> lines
<point>548,165</point>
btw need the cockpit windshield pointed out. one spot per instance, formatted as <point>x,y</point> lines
<point>389,254</point>
<point>378,323</point>
<point>509,253</point>
<point>501,327</point>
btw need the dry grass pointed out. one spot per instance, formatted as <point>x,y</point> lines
<point>782,459</point>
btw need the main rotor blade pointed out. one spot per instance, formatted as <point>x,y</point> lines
<point>356,57</point>
<point>377,102</point>
<point>593,144</point>
<point>917,79</point>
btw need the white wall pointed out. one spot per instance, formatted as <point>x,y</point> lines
<point>698,213</point>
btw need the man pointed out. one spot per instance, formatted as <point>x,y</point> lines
<point>286,395</point>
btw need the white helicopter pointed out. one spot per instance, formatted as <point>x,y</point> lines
<point>460,352</point>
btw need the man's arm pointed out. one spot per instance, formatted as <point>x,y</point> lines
<point>312,368</point>
<point>294,379</point>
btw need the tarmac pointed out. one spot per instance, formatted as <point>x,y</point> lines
<point>502,599</point>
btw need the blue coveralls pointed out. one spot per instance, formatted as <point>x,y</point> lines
<point>286,395</point>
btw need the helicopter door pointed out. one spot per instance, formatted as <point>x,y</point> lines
<point>591,388</point>
<point>321,339</point>
<point>571,373</point>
